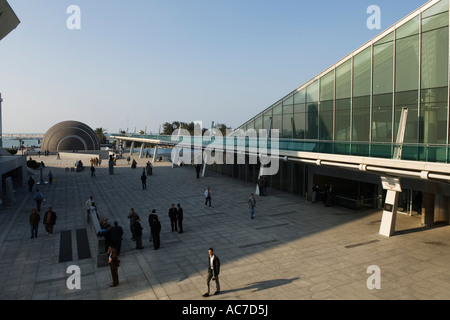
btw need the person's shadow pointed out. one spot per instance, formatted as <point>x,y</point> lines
<point>263,285</point>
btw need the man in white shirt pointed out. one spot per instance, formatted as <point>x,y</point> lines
<point>89,204</point>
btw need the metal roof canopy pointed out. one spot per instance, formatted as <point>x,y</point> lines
<point>8,19</point>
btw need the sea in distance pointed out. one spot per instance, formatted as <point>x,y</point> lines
<point>11,140</point>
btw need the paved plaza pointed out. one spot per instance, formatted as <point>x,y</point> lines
<point>291,250</point>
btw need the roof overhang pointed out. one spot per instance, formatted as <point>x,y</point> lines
<point>8,19</point>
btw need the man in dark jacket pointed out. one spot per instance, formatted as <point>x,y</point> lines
<point>34,222</point>
<point>213,271</point>
<point>155,227</point>
<point>180,218</point>
<point>49,220</point>
<point>173,217</point>
<point>115,235</point>
<point>138,234</point>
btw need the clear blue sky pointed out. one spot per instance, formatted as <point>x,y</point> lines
<point>140,63</point>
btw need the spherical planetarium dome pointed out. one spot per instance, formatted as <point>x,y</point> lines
<point>70,136</point>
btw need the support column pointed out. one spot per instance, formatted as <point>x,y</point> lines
<point>428,201</point>
<point>442,209</point>
<point>155,152</point>
<point>388,220</point>
<point>176,156</point>
<point>142,150</point>
<point>131,148</point>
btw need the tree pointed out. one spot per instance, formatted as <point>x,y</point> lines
<point>100,132</point>
<point>168,128</point>
<point>223,128</point>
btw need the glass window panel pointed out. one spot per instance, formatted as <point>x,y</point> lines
<point>288,100</point>
<point>277,109</point>
<point>383,68</point>
<point>300,96</point>
<point>407,64</point>
<point>287,126</point>
<point>435,58</point>
<point>312,121</point>
<point>288,105</point>
<point>434,95</point>
<point>408,29</point>
<point>435,22</point>
<point>439,7</point>
<point>407,98</point>
<point>344,80</point>
<point>300,108</point>
<point>362,73</point>
<point>326,120</point>
<point>327,86</point>
<point>343,107</point>
<point>411,134</point>
<point>266,119</point>
<point>433,126</point>
<point>312,92</point>
<point>361,119</point>
<point>277,123</point>
<point>385,39</point>
<point>299,123</point>
<point>258,124</point>
<point>382,118</point>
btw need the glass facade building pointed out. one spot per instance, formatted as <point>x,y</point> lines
<point>354,107</point>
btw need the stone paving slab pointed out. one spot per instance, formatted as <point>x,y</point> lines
<point>292,250</point>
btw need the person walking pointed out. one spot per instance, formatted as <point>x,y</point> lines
<point>92,171</point>
<point>208,197</point>
<point>155,226</point>
<point>173,217</point>
<point>133,216</point>
<point>180,218</point>
<point>314,193</point>
<point>252,205</point>
<point>30,184</point>
<point>144,180</point>
<point>49,221</point>
<point>89,204</point>
<point>198,167</point>
<point>260,186</point>
<point>138,234</point>
<point>35,218</point>
<point>213,271</point>
<point>114,263</point>
<point>50,177</point>
<point>38,197</point>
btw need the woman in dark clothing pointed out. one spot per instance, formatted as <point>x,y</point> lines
<point>155,227</point>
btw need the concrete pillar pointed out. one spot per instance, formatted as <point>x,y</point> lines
<point>131,148</point>
<point>142,150</point>
<point>428,202</point>
<point>155,152</point>
<point>442,209</point>
<point>176,155</point>
<point>387,227</point>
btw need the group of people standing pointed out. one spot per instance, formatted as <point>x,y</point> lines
<point>136,229</point>
<point>326,194</point>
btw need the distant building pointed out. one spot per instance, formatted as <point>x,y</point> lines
<point>70,136</point>
<point>13,167</point>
